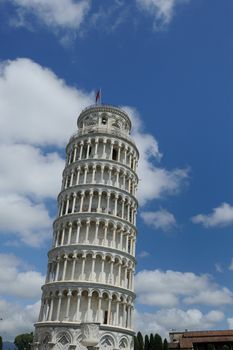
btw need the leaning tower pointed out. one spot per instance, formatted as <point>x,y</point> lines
<point>89,289</point>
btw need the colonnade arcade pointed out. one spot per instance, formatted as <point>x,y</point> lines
<point>102,147</point>
<point>95,231</point>
<point>82,305</point>
<point>100,173</point>
<point>92,266</point>
<point>98,201</point>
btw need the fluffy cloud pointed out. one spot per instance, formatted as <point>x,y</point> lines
<point>24,219</point>
<point>155,182</point>
<point>26,170</point>
<point>164,320</point>
<point>18,280</point>
<point>220,217</point>
<point>162,11</point>
<point>17,319</point>
<point>62,14</point>
<point>160,219</point>
<point>36,107</point>
<point>170,288</point>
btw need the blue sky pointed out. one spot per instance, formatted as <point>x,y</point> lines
<point>169,62</point>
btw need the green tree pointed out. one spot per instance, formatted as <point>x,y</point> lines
<point>225,347</point>
<point>165,345</point>
<point>136,343</point>
<point>151,342</point>
<point>158,343</point>
<point>140,341</point>
<point>0,343</point>
<point>210,346</point>
<point>147,343</point>
<point>23,341</point>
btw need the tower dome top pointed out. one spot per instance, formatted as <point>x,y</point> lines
<point>99,114</point>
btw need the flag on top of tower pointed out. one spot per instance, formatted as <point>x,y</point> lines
<point>98,96</point>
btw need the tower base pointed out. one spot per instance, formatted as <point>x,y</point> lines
<point>68,335</point>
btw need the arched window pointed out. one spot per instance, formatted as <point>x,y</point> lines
<point>104,120</point>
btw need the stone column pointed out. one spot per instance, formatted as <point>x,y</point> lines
<point>111,150</point>
<point>90,201</point>
<point>102,174</point>
<point>81,201</point>
<point>104,148</point>
<point>73,266</point>
<point>110,176</point>
<point>87,231</point>
<point>115,205</point>
<point>88,306</point>
<point>78,176</point>
<point>102,269</point>
<point>99,309</point>
<point>113,243</point>
<point>99,201</point>
<point>82,269</point>
<point>81,150</point>
<point>78,231</point>
<point>109,310</point>
<point>75,153</point>
<point>96,147</point>
<point>108,199</point>
<point>96,231</point>
<point>105,232</point>
<point>88,148</point>
<point>74,202</point>
<point>85,174</point>
<point>69,233</point>
<point>59,306</point>
<point>119,152</point>
<point>117,312</point>
<point>78,305</point>
<point>71,178</point>
<point>67,205</point>
<point>93,174</point>
<point>68,305</point>
<point>57,270</point>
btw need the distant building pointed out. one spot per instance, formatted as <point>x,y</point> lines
<point>202,340</point>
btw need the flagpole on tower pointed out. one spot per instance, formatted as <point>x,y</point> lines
<point>98,97</point>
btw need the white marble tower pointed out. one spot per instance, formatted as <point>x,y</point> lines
<point>90,277</point>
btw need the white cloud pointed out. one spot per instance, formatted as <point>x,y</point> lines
<point>17,280</point>
<point>162,11</point>
<point>170,288</point>
<point>17,319</point>
<point>164,320</point>
<point>161,219</point>
<point>36,107</point>
<point>26,170</point>
<point>62,14</point>
<point>155,182</point>
<point>220,217</point>
<point>29,221</point>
